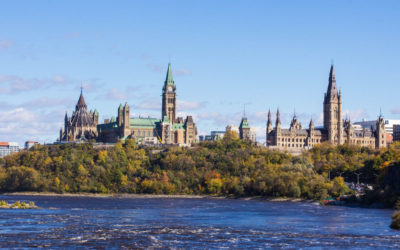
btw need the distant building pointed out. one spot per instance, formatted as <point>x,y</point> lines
<point>245,132</point>
<point>389,127</point>
<point>396,132</point>
<point>217,135</point>
<point>29,144</point>
<point>372,124</point>
<point>7,148</point>
<point>335,130</point>
<point>214,136</point>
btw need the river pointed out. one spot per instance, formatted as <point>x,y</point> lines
<point>97,222</point>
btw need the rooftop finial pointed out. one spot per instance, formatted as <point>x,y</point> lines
<point>244,110</point>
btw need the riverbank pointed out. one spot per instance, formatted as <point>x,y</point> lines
<point>177,196</point>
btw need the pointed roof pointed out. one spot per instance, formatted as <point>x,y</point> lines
<point>169,79</point>
<point>269,116</point>
<point>81,102</point>
<point>120,106</point>
<point>311,123</point>
<point>278,117</point>
<point>332,89</point>
<point>244,123</point>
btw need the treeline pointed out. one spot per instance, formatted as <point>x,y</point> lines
<point>226,167</point>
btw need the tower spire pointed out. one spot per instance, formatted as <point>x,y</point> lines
<point>269,115</point>
<point>278,117</point>
<point>169,79</point>
<point>332,89</point>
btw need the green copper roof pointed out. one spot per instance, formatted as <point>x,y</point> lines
<point>165,119</point>
<point>244,123</point>
<point>120,106</point>
<point>96,112</point>
<point>139,122</point>
<point>177,126</point>
<point>169,80</point>
<point>113,119</point>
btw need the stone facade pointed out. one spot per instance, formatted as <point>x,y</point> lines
<point>335,130</point>
<point>82,125</point>
<point>167,130</point>
<point>246,133</point>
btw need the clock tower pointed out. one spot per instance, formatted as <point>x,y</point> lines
<point>169,97</point>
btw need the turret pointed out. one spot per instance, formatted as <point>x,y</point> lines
<point>294,124</point>
<point>269,128</point>
<point>96,117</point>
<point>311,125</point>
<point>269,122</point>
<point>120,117</point>
<point>380,133</point>
<point>61,134</point>
<point>278,120</point>
<point>244,130</point>
<point>126,116</point>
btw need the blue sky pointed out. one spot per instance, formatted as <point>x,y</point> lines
<point>225,54</point>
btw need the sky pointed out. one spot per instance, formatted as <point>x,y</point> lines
<point>225,55</point>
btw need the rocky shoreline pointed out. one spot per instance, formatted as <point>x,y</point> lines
<point>177,196</point>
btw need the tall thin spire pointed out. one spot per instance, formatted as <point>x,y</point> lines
<point>311,123</point>
<point>269,115</point>
<point>278,117</point>
<point>169,79</point>
<point>332,89</point>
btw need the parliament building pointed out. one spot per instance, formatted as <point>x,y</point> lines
<point>335,130</point>
<point>170,130</point>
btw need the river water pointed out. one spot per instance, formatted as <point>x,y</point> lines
<point>96,222</point>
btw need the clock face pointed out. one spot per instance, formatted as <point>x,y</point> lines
<point>170,89</point>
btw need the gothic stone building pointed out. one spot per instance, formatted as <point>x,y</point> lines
<point>82,125</point>
<point>335,130</point>
<point>167,130</point>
